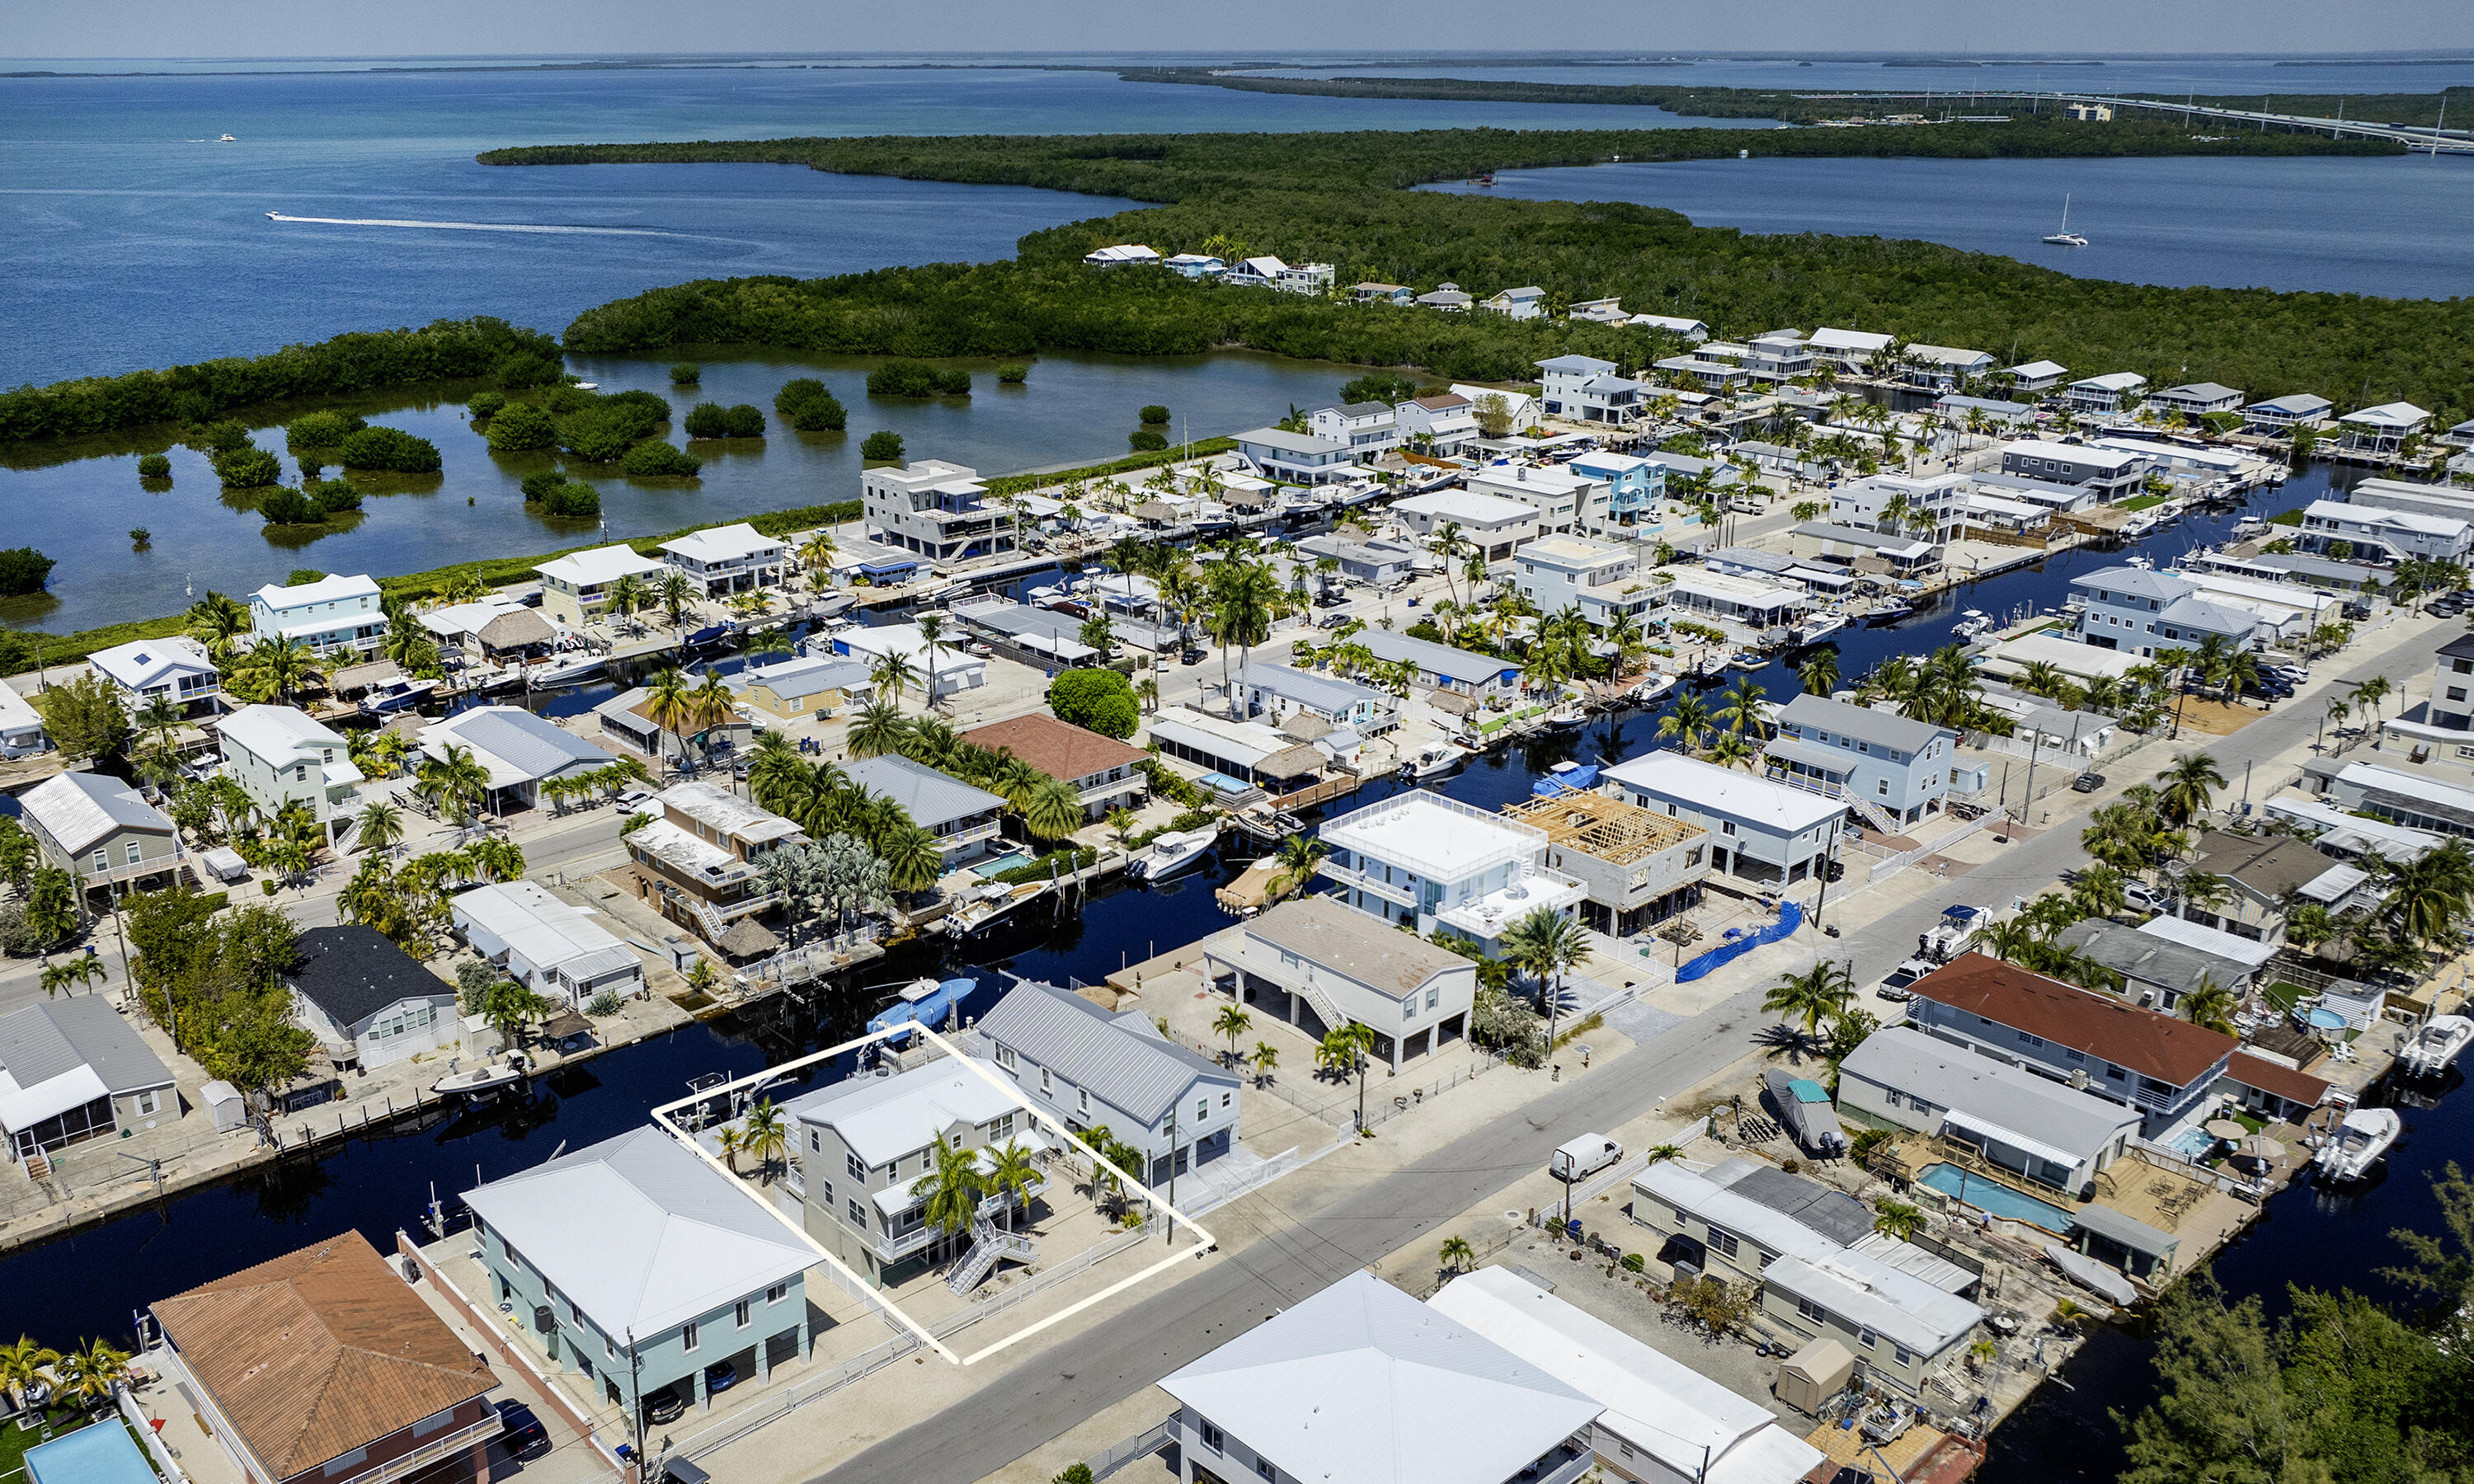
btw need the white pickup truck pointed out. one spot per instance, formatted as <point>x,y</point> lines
<point>1583,1157</point>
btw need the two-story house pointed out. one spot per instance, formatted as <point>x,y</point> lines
<point>576,588</point>
<point>1758,831</point>
<point>1278,692</point>
<point>724,560</point>
<point>321,1366</point>
<point>1195,265</point>
<point>642,1276</point>
<point>175,667</point>
<point>1693,331</point>
<point>962,819</point>
<point>699,855</point>
<point>1449,297</point>
<point>1640,866</point>
<point>864,1142</point>
<point>1894,772</point>
<point>1635,483</point>
<point>1269,273</point>
<point>2111,391</point>
<point>1565,502</point>
<point>1583,389</point>
<point>1600,578</point>
<point>1941,367</point>
<point>1441,423</point>
<point>934,508</point>
<point>101,830</point>
<point>2138,611</point>
<point>1089,1069</point>
<point>1863,549</point>
<point>368,1001</point>
<point>2197,399</point>
<point>1528,302</point>
<point>1490,525</point>
<point>1766,609</point>
<point>2454,501</point>
<point>1318,965</point>
<point>1933,506</point>
<point>2374,533</point>
<point>1103,772</point>
<point>2030,377</point>
<point>2382,429</point>
<point>329,616</point>
<point>1780,355</point>
<point>2111,473</point>
<point>2102,1043</point>
<point>1847,351</point>
<point>1368,429</point>
<point>279,754</point>
<point>1431,862</point>
<point>1298,458</point>
<point>1819,1270</point>
<point>2451,707</point>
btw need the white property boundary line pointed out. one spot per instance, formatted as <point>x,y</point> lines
<point>858,1284</point>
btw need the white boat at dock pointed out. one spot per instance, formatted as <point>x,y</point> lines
<point>1819,627</point>
<point>2091,1275</point>
<point>1566,714</point>
<point>2359,1143</point>
<point>1656,688</point>
<point>483,1080</point>
<point>2435,1046</point>
<point>1973,624</point>
<point>1435,761</point>
<point>565,669</point>
<point>985,904</point>
<point>1171,854</point>
<point>400,694</point>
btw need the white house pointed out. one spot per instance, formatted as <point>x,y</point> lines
<point>1269,273</point>
<point>1780,355</point>
<point>954,670</point>
<point>576,588</point>
<point>21,726</point>
<point>1760,831</point>
<point>1370,429</point>
<point>2386,535</point>
<point>1935,505</point>
<point>1694,330</point>
<point>2105,393</point>
<point>520,750</point>
<point>176,666</point>
<point>2197,399</point>
<point>2032,1126</point>
<point>547,944</point>
<point>1447,297</point>
<point>1444,421</point>
<point>1297,458</point>
<point>1894,771</point>
<point>938,509</point>
<point>1847,350</point>
<point>329,615</point>
<point>1522,303</point>
<point>100,828</point>
<point>1124,254</point>
<point>1603,579</point>
<point>279,754</point>
<point>1519,407</point>
<point>1090,1068</point>
<point>1424,859</point>
<point>1942,367</point>
<point>1489,523</point>
<point>724,560</point>
<point>2037,375</point>
<point>1567,503</point>
<point>72,1070</point>
<point>1441,667</point>
<point>962,819</point>
<point>1585,388</point>
<point>2383,429</point>
<point>2112,474</point>
<point>1318,965</point>
<point>1278,692</point>
<point>367,1000</point>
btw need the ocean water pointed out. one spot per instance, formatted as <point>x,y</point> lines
<point>2392,227</point>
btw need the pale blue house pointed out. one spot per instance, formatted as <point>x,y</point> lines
<point>1635,483</point>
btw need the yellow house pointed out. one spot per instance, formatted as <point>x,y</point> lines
<point>576,588</point>
<point>803,687</point>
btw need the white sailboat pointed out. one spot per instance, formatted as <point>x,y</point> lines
<point>2359,1142</point>
<point>2067,238</point>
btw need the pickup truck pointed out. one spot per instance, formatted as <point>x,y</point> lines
<point>1582,1157</point>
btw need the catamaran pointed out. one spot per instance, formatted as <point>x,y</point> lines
<point>2067,238</point>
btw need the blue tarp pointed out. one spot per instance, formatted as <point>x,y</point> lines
<point>1790,918</point>
<point>1572,781</point>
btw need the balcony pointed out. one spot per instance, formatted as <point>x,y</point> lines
<point>434,1450</point>
<point>968,835</point>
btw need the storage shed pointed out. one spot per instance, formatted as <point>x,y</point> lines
<point>1813,1374</point>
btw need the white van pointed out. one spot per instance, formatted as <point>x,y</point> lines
<point>1583,1157</point>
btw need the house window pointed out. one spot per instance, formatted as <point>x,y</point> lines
<point>1005,1057</point>
<point>1046,1084</point>
<point>1263,1466</point>
<point>1433,998</point>
<point>103,861</point>
<point>825,1194</point>
<point>1004,1127</point>
<point>858,1214</point>
<point>1881,787</point>
<point>1810,1311</point>
<point>1226,1098</point>
<point>132,849</point>
<point>1213,1437</point>
<point>149,1102</point>
<point>1723,1241</point>
<point>687,1337</point>
<point>1202,1110</point>
<point>1867,1338</point>
<point>1900,1350</point>
<point>742,1312</point>
<point>609,1347</point>
<point>777,1293</point>
<point>1082,1100</point>
<point>1409,1008</point>
<point>816,1143</point>
<point>857,1170</point>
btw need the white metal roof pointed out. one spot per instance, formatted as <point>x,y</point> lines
<point>641,1234</point>
<point>2039,369</point>
<point>1671,777</point>
<point>726,813</point>
<point>325,589</point>
<point>2070,1127</point>
<point>18,715</point>
<point>1662,1406</point>
<point>142,664</point>
<point>60,1054</point>
<point>602,565</point>
<point>2381,515</point>
<point>2072,453</point>
<point>77,809</point>
<point>1362,1384</point>
<point>883,1118</point>
<point>1864,340</point>
<point>546,931</point>
<point>279,734</point>
<point>1467,506</point>
<point>2248,952</point>
<point>1440,839</point>
<point>2113,381</point>
<point>2387,414</point>
<point>724,543</point>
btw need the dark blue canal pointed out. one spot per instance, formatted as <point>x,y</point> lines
<point>91,1282</point>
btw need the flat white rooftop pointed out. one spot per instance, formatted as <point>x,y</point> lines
<point>1439,839</point>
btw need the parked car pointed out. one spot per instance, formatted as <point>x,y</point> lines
<point>665,1405</point>
<point>1583,1157</point>
<point>719,1376</point>
<point>1329,599</point>
<point>2145,898</point>
<point>1893,985</point>
<point>1331,620</point>
<point>2087,782</point>
<point>519,1431</point>
<point>634,800</point>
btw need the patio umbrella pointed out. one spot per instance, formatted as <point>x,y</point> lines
<point>2260,1147</point>
<point>2226,1129</point>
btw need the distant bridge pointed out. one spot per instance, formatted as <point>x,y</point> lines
<point>2436,140</point>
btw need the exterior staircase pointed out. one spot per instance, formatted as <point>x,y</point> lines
<point>1330,1014</point>
<point>989,1246</point>
<point>38,1167</point>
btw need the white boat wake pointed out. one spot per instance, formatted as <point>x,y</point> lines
<point>474,226</point>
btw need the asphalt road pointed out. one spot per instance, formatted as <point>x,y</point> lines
<point>1282,1259</point>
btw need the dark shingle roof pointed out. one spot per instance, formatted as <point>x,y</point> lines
<point>353,971</point>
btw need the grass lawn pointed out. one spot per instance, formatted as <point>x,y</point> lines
<point>15,1439</point>
<point>2144,502</point>
<point>2283,994</point>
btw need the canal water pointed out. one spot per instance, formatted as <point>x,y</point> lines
<point>91,1282</point>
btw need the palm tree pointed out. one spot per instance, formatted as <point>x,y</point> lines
<point>160,716</point>
<point>913,863</point>
<point>454,781</point>
<point>878,730</point>
<point>94,1373</point>
<point>1548,946</point>
<point>2211,1006</point>
<point>1346,1049</point>
<point>494,859</point>
<point>2189,787</point>
<point>952,1189</point>
<point>667,703</point>
<point>816,552</point>
<point>1011,1174</point>
<point>628,596</point>
<point>731,1138</point>
<point>22,1366</point>
<point>1819,672</point>
<point>1687,722</point>
<point>2370,693</point>
<point>2338,709</point>
<point>1897,1220</point>
<point>1246,597</point>
<point>2097,893</point>
<point>932,639</point>
<point>381,826</point>
<point>1457,1255</point>
<point>274,669</point>
<point>1053,812</point>
<point>1232,1021</point>
<point>766,1137</point>
<point>1266,1060</point>
<point>218,622</point>
<point>2068,1314</point>
<point>1742,709</point>
<point>678,598</point>
<point>895,674</point>
<point>2431,893</point>
<point>1730,750</point>
<point>1301,857</point>
<point>1819,993</point>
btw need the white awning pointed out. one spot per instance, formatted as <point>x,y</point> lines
<point>1986,1128</point>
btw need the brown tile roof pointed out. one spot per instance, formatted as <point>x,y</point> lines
<point>2154,1046</point>
<point>1058,749</point>
<point>2273,865</point>
<point>2254,1071</point>
<point>1357,944</point>
<point>321,1351</point>
<point>1442,401</point>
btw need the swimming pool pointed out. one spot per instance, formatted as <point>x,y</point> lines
<point>1995,1198</point>
<point>988,868</point>
<point>2192,1143</point>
